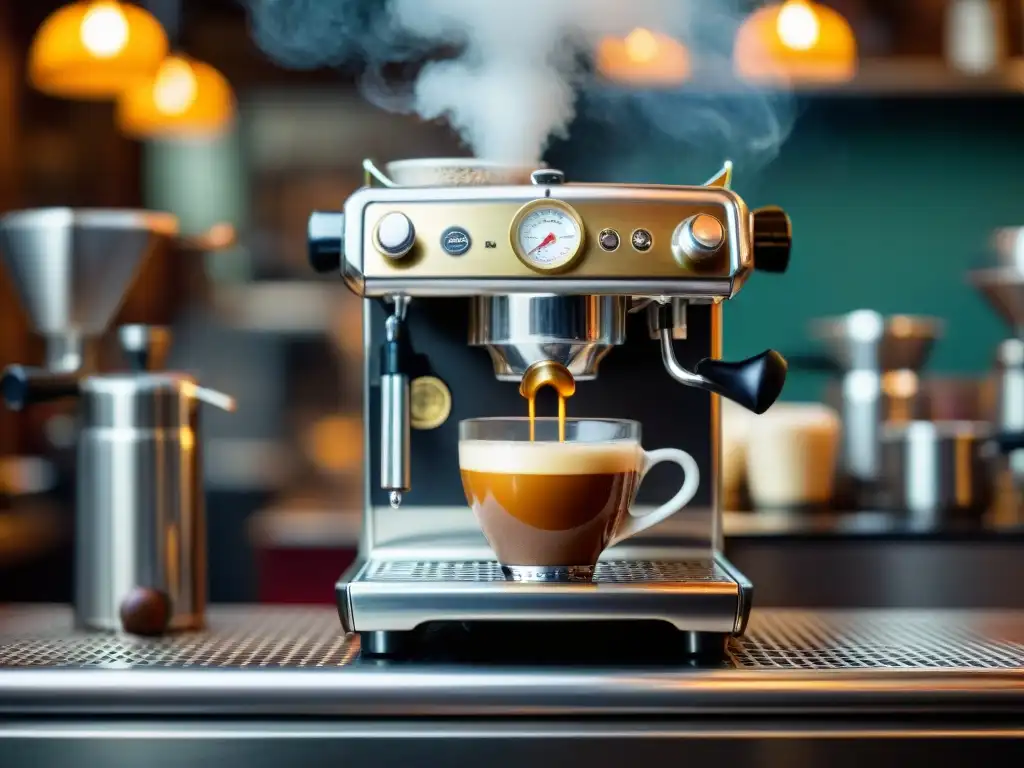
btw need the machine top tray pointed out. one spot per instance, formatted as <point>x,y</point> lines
<point>295,661</point>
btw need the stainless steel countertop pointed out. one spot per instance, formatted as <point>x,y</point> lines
<point>295,661</point>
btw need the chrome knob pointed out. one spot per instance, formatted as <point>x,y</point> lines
<point>697,238</point>
<point>395,235</point>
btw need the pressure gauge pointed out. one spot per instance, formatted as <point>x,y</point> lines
<point>547,235</point>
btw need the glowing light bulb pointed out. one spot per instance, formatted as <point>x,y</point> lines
<point>175,87</point>
<point>104,30</point>
<point>798,25</point>
<point>641,46</point>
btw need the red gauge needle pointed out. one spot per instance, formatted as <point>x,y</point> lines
<point>546,241</point>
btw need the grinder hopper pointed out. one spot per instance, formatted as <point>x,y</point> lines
<point>1003,289</point>
<point>73,267</point>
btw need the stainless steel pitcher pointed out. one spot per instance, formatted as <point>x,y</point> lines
<point>140,530</point>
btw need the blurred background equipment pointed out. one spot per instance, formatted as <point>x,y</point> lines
<point>878,360</point>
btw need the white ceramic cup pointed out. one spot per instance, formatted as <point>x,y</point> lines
<point>791,456</point>
<point>456,172</point>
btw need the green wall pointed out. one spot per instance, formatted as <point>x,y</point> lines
<point>892,201</point>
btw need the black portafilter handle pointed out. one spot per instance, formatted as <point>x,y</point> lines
<point>21,386</point>
<point>323,240</point>
<point>754,383</point>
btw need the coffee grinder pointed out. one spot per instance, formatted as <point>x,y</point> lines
<point>456,309</point>
<point>140,546</point>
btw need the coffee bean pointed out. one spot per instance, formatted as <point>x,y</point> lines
<point>145,612</point>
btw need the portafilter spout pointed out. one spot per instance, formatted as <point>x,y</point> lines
<point>520,330</point>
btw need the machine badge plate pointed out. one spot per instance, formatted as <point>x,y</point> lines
<point>455,241</point>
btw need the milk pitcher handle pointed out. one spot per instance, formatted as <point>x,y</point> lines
<point>633,524</point>
<point>215,398</point>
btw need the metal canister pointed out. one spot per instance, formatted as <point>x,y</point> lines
<point>140,517</point>
<point>933,468</point>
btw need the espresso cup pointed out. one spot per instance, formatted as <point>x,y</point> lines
<point>549,507</point>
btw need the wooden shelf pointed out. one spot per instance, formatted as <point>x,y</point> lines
<point>924,77</point>
<point>909,77</point>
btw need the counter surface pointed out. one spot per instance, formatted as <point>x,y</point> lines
<point>271,662</point>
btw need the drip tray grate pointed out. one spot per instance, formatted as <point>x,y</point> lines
<point>617,572</point>
<point>237,638</point>
<point>311,637</point>
<point>881,639</point>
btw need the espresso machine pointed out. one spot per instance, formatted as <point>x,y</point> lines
<point>457,306</point>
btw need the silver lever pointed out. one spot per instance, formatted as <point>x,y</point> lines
<point>394,407</point>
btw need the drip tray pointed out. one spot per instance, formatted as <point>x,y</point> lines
<point>703,596</point>
<point>309,637</point>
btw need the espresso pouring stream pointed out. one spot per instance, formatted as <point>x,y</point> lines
<point>547,373</point>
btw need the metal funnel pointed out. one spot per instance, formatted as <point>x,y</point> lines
<point>1003,289</point>
<point>867,340</point>
<point>72,268</point>
<point>520,330</point>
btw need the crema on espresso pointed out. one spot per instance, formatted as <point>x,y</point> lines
<point>549,503</point>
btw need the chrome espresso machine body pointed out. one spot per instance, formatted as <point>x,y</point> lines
<point>458,305</point>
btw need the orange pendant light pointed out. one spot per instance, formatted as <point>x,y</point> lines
<point>643,58</point>
<point>184,99</point>
<point>796,41</point>
<point>94,50</point>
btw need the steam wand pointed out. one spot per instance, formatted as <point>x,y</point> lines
<point>754,383</point>
<point>394,405</point>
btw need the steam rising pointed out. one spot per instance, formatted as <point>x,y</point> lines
<point>507,74</point>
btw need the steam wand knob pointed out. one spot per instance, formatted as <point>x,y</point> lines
<point>772,239</point>
<point>754,383</point>
<point>323,240</point>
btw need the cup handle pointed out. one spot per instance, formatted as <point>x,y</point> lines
<point>634,524</point>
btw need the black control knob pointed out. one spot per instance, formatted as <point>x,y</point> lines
<point>754,383</point>
<point>773,238</point>
<point>323,239</point>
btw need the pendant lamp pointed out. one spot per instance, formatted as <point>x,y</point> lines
<point>643,57</point>
<point>94,50</point>
<point>186,98</point>
<point>796,41</point>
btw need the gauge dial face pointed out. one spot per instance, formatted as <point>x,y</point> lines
<point>548,237</point>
